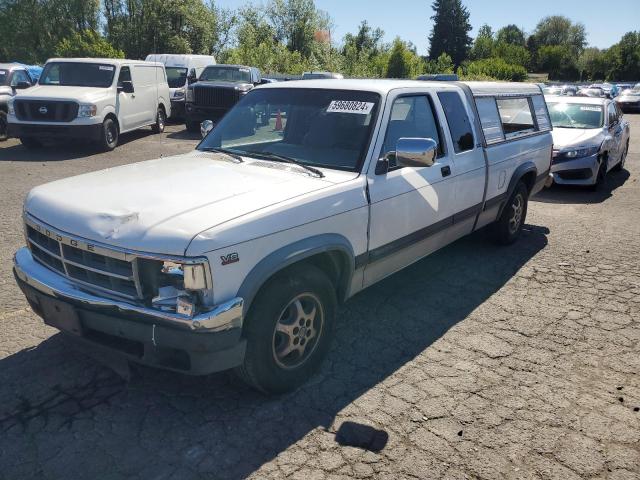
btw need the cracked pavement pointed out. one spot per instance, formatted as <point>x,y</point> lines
<point>477,362</point>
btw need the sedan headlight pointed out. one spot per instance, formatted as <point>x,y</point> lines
<point>578,153</point>
<point>179,287</point>
<point>10,108</point>
<point>88,110</point>
<point>179,93</point>
<point>189,95</point>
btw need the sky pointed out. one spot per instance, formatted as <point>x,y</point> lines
<point>605,21</point>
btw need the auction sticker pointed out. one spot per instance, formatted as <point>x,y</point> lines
<point>591,109</point>
<point>350,106</point>
<point>106,67</point>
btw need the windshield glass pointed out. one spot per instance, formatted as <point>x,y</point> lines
<point>226,74</point>
<point>316,127</point>
<point>576,115</point>
<point>4,77</point>
<point>77,74</point>
<point>176,76</point>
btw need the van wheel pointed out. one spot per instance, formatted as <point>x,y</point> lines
<point>110,135</point>
<point>30,142</point>
<point>3,126</point>
<point>288,330</point>
<point>508,227</point>
<point>161,119</point>
<point>193,127</point>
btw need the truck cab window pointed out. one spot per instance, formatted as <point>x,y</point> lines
<point>411,117</point>
<point>458,121</point>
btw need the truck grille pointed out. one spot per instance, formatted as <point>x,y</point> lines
<point>216,97</point>
<point>46,111</point>
<point>96,270</point>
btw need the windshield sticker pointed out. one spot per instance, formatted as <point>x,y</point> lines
<point>590,109</point>
<point>350,106</point>
<point>106,67</point>
<point>244,70</point>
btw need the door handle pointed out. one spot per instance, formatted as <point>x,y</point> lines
<point>446,171</point>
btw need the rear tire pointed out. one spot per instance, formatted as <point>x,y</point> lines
<point>30,142</point>
<point>110,135</point>
<point>508,227</point>
<point>161,120</point>
<point>193,127</point>
<point>3,126</point>
<point>288,330</point>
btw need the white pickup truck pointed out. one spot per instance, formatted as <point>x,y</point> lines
<point>237,254</point>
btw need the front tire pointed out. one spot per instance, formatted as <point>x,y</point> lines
<point>110,135</point>
<point>601,176</point>
<point>620,165</point>
<point>161,120</point>
<point>3,126</point>
<point>508,227</point>
<point>288,330</point>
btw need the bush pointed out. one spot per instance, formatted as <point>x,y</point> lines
<point>87,43</point>
<point>495,68</point>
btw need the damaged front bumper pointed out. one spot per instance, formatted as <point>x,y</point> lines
<point>208,342</point>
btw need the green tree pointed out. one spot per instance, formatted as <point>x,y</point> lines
<point>403,61</point>
<point>450,33</point>
<point>493,68</point>
<point>296,23</point>
<point>483,44</point>
<point>87,43</point>
<point>511,34</point>
<point>511,53</point>
<point>624,58</point>
<point>558,61</point>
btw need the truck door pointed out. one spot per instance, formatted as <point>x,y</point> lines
<point>469,160</point>
<point>411,208</point>
<point>126,105</point>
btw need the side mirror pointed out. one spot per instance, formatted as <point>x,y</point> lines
<point>192,79</point>
<point>416,152</point>
<point>206,127</point>
<point>126,87</point>
<point>22,85</point>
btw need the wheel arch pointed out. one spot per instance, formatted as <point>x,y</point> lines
<point>331,253</point>
<point>526,172</point>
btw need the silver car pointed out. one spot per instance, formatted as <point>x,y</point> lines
<point>629,100</point>
<point>590,138</point>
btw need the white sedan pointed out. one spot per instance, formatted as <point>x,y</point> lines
<point>590,138</point>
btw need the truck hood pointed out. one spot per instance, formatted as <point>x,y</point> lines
<point>78,94</point>
<point>570,137</point>
<point>159,206</point>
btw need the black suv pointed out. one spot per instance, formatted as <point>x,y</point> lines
<point>217,90</point>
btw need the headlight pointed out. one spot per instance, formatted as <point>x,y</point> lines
<point>10,108</point>
<point>179,93</point>
<point>180,287</point>
<point>579,152</point>
<point>189,95</point>
<point>87,110</point>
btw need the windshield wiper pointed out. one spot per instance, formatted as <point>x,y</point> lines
<point>224,151</point>
<point>282,158</point>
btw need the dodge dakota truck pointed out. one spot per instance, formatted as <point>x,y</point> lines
<point>236,255</point>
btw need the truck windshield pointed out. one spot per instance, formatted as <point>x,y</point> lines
<point>176,76</point>
<point>576,115</point>
<point>4,77</point>
<point>316,127</point>
<point>77,74</point>
<point>226,74</point>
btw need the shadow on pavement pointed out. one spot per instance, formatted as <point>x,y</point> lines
<point>70,149</point>
<point>170,424</point>
<point>184,134</point>
<point>574,194</point>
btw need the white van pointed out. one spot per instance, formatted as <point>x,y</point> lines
<point>181,71</point>
<point>91,98</point>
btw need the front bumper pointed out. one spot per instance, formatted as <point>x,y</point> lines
<point>195,113</point>
<point>580,171</point>
<point>207,343</point>
<point>41,130</point>
<point>177,108</point>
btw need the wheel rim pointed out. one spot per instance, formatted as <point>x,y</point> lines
<point>298,329</point>
<point>517,208</point>
<point>111,134</point>
<point>160,120</point>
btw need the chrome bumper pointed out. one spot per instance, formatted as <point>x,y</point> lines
<point>222,317</point>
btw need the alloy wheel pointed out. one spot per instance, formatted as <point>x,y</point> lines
<point>517,208</point>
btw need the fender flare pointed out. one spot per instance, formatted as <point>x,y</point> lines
<point>517,175</point>
<point>288,255</point>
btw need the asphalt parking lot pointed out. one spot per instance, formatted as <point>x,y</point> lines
<point>477,362</point>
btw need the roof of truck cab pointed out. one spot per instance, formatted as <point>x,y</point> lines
<point>384,86</point>
<point>111,61</point>
<point>11,66</point>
